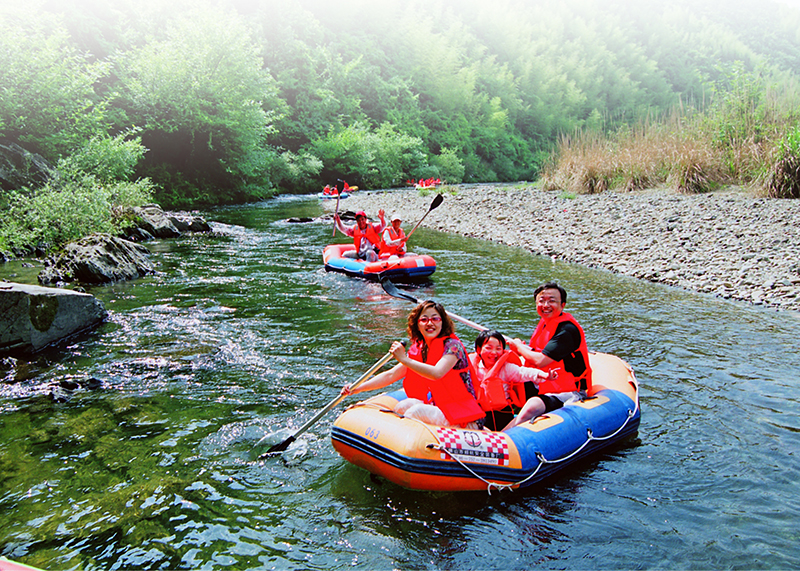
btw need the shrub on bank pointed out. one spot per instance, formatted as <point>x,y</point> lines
<point>784,177</point>
<point>91,193</point>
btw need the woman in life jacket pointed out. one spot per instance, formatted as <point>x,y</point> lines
<point>435,372</point>
<point>502,385</point>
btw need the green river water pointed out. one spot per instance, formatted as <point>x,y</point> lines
<point>152,461</point>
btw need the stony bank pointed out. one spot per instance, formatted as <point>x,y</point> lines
<point>727,243</point>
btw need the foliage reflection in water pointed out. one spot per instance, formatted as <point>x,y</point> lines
<point>242,335</point>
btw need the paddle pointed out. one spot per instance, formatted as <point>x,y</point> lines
<point>392,290</point>
<point>335,212</point>
<point>338,196</point>
<point>280,447</point>
<point>436,202</point>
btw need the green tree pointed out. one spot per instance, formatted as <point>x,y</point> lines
<point>48,103</point>
<point>205,107</point>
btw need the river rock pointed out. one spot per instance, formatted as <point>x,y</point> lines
<point>155,221</point>
<point>33,317</point>
<point>97,259</point>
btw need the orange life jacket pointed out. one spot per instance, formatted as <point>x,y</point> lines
<point>447,393</point>
<point>397,249</point>
<point>566,380</point>
<point>369,233</point>
<point>493,393</point>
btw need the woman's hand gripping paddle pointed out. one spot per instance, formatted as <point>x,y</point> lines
<point>280,447</point>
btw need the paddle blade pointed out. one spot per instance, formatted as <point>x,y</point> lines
<point>436,202</point>
<point>280,447</point>
<point>393,291</point>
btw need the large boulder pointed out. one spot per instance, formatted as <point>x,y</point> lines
<point>97,259</point>
<point>33,317</point>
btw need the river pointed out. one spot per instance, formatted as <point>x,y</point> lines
<point>152,462</point>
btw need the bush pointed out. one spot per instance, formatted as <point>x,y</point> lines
<point>91,194</point>
<point>449,166</point>
<point>107,158</point>
<point>374,159</point>
<point>295,172</point>
<point>784,179</point>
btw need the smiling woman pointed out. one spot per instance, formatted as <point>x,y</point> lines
<point>435,372</point>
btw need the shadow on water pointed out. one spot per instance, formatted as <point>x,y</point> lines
<point>242,335</point>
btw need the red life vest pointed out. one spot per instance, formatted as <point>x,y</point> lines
<point>398,249</point>
<point>566,380</point>
<point>494,393</point>
<point>448,393</point>
<point>370,234</point>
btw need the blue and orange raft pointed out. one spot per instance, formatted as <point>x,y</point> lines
<point>418,456</point>
<point>410,267</point>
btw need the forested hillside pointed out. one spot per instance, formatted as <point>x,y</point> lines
<point>231,101</point>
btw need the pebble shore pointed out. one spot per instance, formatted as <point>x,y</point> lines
<point>728,243</point>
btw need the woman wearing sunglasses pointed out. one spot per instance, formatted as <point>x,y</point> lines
<point>435,372</point>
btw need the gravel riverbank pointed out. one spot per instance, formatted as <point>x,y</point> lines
<point>727,243</point>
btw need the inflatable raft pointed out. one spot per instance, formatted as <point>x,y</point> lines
<point>423,457</point>
<point>324,196</point>
<point>397,268</point>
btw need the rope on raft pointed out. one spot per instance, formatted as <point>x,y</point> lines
<point>542,460</point>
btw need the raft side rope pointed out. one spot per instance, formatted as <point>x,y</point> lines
<point>542,460</point>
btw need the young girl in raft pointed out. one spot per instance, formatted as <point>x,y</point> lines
<point>435,372</point>
<point>495,376</point>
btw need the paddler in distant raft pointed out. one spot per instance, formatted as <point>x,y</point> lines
<point>366,236</point>
<point>394,239</point>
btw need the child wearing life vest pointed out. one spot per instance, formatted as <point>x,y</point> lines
<point>435,373</point>
<point>502,385</point>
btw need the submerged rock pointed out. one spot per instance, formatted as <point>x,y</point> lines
<point>97,259</point>
<point>33,317</point>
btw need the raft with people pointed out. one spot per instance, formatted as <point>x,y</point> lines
<point>408,267</point>
<point>420,456</point>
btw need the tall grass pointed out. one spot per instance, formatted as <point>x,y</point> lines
<point>744,136</point>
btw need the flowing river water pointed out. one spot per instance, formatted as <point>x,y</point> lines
<point>152,461</point>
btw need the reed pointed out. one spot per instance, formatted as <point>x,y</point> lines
<point>747,137</point>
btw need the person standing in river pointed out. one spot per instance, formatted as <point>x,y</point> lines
<point>557,346</point>
<point>366,236</point>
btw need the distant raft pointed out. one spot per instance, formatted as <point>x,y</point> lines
<point>410,267</point>
<point>324,196</point>
<point>419,456</point>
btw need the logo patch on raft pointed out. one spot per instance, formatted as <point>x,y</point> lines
<point>476,447</point>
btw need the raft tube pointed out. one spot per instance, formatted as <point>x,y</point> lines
<point>324,196</point>
<point>409,267</point>
<point>419,456</point>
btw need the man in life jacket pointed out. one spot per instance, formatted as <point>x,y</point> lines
<point>366,236</point>
<point>558,346</point>
<point>394,239</point>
